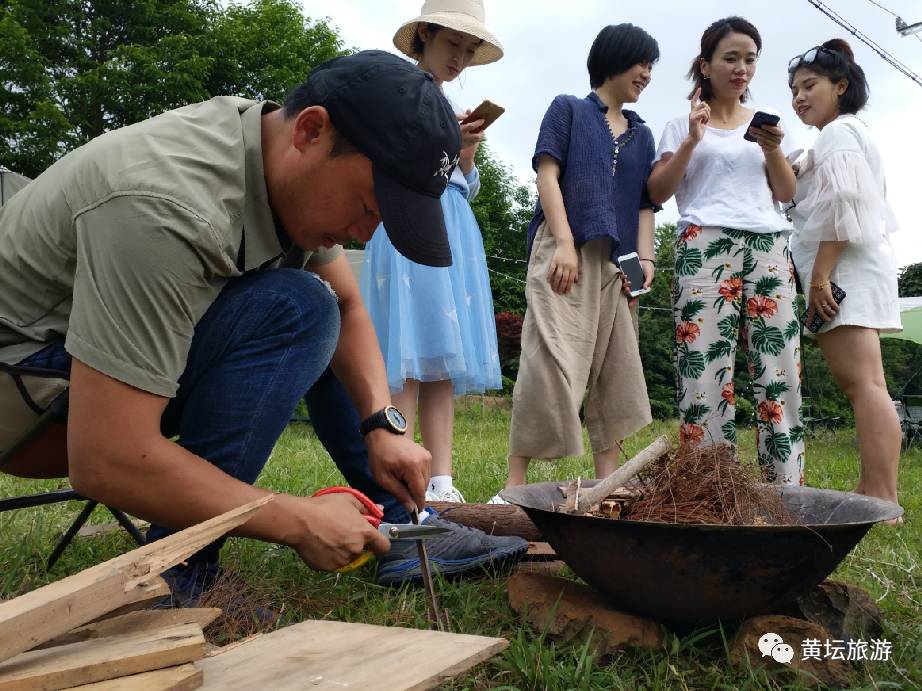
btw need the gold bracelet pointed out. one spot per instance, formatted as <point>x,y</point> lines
<point>819,286</point>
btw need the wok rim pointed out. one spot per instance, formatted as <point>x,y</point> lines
<point>895,511</point>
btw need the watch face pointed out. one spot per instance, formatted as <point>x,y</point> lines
<point>396,418</point>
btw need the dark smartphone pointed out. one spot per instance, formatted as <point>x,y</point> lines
<point>817,322</point>
<point>486,111</point>
<point>630,265</point>
<point>759,118</point>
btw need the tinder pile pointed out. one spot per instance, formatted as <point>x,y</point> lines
<point>702,485</point>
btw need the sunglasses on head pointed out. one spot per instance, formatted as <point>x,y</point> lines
<point>809,57</point>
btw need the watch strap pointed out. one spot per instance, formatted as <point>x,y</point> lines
<point>379,420</point>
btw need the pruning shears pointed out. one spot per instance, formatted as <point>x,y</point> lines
<point>374,515</point>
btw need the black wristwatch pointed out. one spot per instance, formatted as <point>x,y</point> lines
<point>388,418</point>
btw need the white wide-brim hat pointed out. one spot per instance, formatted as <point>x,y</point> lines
<point>466,16</point>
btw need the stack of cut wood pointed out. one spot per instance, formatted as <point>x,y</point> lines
<point>612,506</point>
<point>87,631</point>
<point>151,649</point>
<point>59,637</point>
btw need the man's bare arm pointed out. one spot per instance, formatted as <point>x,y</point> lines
<point>118,456</point>
<point>398,464</point>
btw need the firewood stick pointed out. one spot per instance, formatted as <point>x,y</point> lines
<point>590,496</point>
<point>493,519</point>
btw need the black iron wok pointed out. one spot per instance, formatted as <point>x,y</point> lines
<point>699,573</point>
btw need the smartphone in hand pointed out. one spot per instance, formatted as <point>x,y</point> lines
<point>817,322</point>
<point>486,111</point>
<point>759,118</point>
<point>630,267</point>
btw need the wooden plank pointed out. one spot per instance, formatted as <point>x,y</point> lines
<point>182,678</point>
<point>100,659</point>
<point>137,622</point>
<point>212,650</point>
<point>539,551</point>
<point>55,609</point>
<point>554,567</point>
<point>337,655</point>
<point>141,599</point>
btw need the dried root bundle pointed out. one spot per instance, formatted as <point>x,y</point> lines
<point>699,485</point>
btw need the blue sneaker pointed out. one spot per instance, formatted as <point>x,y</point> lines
<point>460,551</point>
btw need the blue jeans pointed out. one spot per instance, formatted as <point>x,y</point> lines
<point>336,422</point>
<point>266,340</point>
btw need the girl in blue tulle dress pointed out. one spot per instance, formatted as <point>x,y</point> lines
<point>436,325</point>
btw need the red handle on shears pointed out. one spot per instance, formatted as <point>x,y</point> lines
<point>374,517</point>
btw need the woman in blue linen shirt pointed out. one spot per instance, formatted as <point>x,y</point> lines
<point>592,159</point>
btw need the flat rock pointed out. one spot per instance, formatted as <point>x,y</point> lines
<point>790,632</point>
<point>566,609</point>
<point>846,611</point>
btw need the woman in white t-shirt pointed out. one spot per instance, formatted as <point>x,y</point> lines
<point>732,270</point>
<point>842,222</point>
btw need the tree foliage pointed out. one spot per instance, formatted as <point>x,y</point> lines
<point>910,282</point>
<point>657,328</point>
<point>266,47</point>
<point>73,69</point>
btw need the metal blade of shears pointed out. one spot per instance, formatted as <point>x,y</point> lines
<point>435,617</point>
<point>409,531</point>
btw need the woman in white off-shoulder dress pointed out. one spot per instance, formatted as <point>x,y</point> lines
<point>842,222</point>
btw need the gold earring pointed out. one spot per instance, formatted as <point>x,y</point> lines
<point>706,76</point>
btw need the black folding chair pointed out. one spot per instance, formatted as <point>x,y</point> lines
<point>46,411</point>
<point>911,420</point>
<point>811,422</point>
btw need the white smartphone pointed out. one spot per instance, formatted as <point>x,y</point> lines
<point>630,266</point>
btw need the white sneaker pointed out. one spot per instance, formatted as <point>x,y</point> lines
<point>452,495</point>
<point>496,499</point>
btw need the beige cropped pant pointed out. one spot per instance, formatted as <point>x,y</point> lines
<point>584,340</point>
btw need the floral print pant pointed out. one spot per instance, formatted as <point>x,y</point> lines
<point>730,282</point>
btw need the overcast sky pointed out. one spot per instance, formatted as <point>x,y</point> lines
<point>546,43</point>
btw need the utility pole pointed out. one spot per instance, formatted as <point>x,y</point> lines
<point>905,29</point>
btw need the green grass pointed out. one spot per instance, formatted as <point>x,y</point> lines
<point>886,563</point>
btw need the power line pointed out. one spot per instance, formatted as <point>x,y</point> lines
<point>893,14</point>
<point>500,273</point>
<point>524,261</point>
<point>519,280</point>
<point>507,259</point>
<point>890,12</point>
<point>841,21</point>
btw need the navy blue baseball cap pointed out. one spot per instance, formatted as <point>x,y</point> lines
<point>396,115</point>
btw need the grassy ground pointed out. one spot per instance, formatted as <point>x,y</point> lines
<point>886,563</point>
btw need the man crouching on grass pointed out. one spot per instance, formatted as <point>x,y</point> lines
<point>162,266</point>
